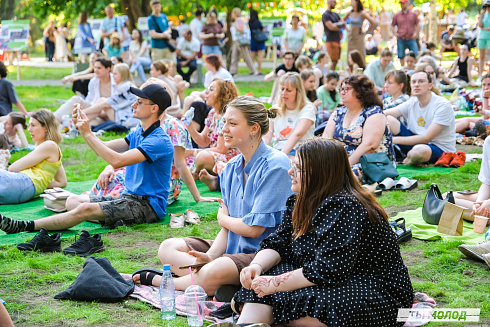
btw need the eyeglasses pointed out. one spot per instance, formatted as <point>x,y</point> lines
<point>139,103</point>
<point>296,169</point>
<point>345,89</point>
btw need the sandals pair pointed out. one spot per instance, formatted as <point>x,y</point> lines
<point>147,275</point>
<point>178,220</point>
<point>403,234</point>
<point>403,184</point>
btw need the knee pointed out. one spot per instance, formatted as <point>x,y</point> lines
<point>74,201</point>
<point>168,248</point>
<point>204,159</point>
<point>84,210</point>
<point>419,153</point>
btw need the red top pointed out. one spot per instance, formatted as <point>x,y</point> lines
<point>211,29</point>
<point>405,23</point>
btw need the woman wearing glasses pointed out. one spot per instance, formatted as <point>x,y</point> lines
<point>357,123</point>
<point>326,264</point>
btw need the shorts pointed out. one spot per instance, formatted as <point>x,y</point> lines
<point>483,43</point>
<point>256,46</point>
<point>15,188</point>
<point>129,208</point>
<point>436,151</point>
<point>207,49</point>
<point>158,54</point>
<point>241,260</point>
<point>333,49</point>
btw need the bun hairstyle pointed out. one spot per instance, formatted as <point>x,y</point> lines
<point>254,112</point>
<point>400,77</point>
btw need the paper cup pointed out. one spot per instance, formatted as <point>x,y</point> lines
<point>480,224</point>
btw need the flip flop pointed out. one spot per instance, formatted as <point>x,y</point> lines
<point>147,275</point>
<point>191,217</point>
<point>405,184</point>
<point>177,220</point>
<point>386,185</point>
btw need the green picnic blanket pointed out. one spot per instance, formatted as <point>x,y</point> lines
<point>423,231</point>
<point>34,210</point>
<point>411,171</point>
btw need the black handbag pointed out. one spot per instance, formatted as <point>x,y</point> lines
<point>434,205</point>
<point>259,36</point>
<point>376,167</point>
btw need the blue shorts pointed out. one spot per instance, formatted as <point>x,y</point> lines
<point>15,188</point>
<point>207,49</point>
<point>436,151</point>
<point>402,45</point>
<point>256,46</point>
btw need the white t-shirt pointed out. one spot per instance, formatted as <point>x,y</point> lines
<point>196,26</point>
<point>221,73</point>
<point>438,111</point>
<point>284,125</point>
<point>461,18</point>
<point>295,38</point>
<point>187,48</point>
<point>484,176</point>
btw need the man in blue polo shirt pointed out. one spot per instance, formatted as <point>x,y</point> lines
<point>147,153</point>
<point>159,32</point>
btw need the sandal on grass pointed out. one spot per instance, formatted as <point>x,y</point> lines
<point>405,184</point>
<point>147,275</point>
<point>177,220</point>
<point>402,233</point>
<point>191,217</point>
<point>386,185</point>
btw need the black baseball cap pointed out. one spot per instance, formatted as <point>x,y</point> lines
<point>156,93</point>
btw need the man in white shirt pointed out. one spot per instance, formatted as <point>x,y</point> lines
<point>461,18</point>
<point>196,26</point>
<point>187,50</point>
<point>102,85</point>
<point>430,129</point>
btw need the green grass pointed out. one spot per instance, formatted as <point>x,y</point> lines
<point>28,281</point>
<point>36,73</point>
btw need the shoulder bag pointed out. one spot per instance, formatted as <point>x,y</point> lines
<point>376,167</point>
<point>259,36</point>
<point>434,205</point>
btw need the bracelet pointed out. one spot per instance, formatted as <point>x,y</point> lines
<point>256,263</point>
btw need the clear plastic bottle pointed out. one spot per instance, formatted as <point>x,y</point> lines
<point>187,119</point>
<point>167,294</point>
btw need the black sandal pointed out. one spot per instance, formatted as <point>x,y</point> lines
<point>147,275</point>
<point>402,233</point>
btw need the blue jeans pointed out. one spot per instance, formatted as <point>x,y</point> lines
<point>15,188</point>
<point>140,65</point>
<point>402,45</point>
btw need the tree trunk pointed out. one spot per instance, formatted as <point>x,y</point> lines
<point>135,9</point>
<point>432,37</point>
<point>7,8</point>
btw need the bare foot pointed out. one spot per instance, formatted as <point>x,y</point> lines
<point>155,282</point>
<point>208,179</point>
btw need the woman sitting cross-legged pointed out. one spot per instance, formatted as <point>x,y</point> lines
<point>361,124</point>
<point>111,182</point>
<point>38,170</point>
<point>255,187</point>
<point>334,260</point>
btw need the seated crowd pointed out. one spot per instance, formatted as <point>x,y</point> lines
<point>292,211</point>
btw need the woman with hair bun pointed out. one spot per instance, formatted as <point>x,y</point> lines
<point>255,187</point>
<point>357,124</point>
<point>397,85</point>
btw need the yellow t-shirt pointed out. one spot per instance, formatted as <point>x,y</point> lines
<point>42,174</point>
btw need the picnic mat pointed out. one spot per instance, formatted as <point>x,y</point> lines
<point>411,171</point>
<point>423,231</point>
<point>151,295</point>
<point>34,210</point>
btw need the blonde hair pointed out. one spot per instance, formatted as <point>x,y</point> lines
<point>212,18</point>
<point>295,81</point>
<point>237,11</point>
<point>303,62</point>
<point>161,66</point>
<point>46,118</point>
<point>226,91</point>
<point>123,69</point>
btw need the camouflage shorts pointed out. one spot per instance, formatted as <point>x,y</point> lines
<point>129,208</point>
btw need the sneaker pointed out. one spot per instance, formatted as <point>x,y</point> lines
<point>459,160</point>
<point>475,251</point>
<point>42,242</point>
<point>85,245</point>
<point>445,159</point>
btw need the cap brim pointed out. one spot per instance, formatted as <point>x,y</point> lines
<point>138,92</point>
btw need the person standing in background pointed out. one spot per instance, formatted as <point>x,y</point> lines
<point>196,25</point>
<point>332,25</point>
<point>407,30</point>
<point>48,36</point>
<point>110,24</point>
<point>160,35</point>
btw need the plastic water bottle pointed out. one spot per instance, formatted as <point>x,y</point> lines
<point>187,119</point>
<point>167,294</point>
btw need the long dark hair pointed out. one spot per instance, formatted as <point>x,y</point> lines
<point>364,90</point>
<point>254,15</point>
<point>357,59</point>
<point>359,6</point>
<point>325,171</point>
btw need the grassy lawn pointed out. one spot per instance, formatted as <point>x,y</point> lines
<point>35,73</point>
<point>29,281</point>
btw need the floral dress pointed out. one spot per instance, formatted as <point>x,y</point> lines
<point>179,137</point>
<point>215,124</point>
<point>351,136</point>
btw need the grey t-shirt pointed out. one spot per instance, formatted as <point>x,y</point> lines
<point>7,96</point>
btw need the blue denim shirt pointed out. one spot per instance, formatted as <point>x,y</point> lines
<point>262,200</point>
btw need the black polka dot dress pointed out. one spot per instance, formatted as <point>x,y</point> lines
<point>356,265</point>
